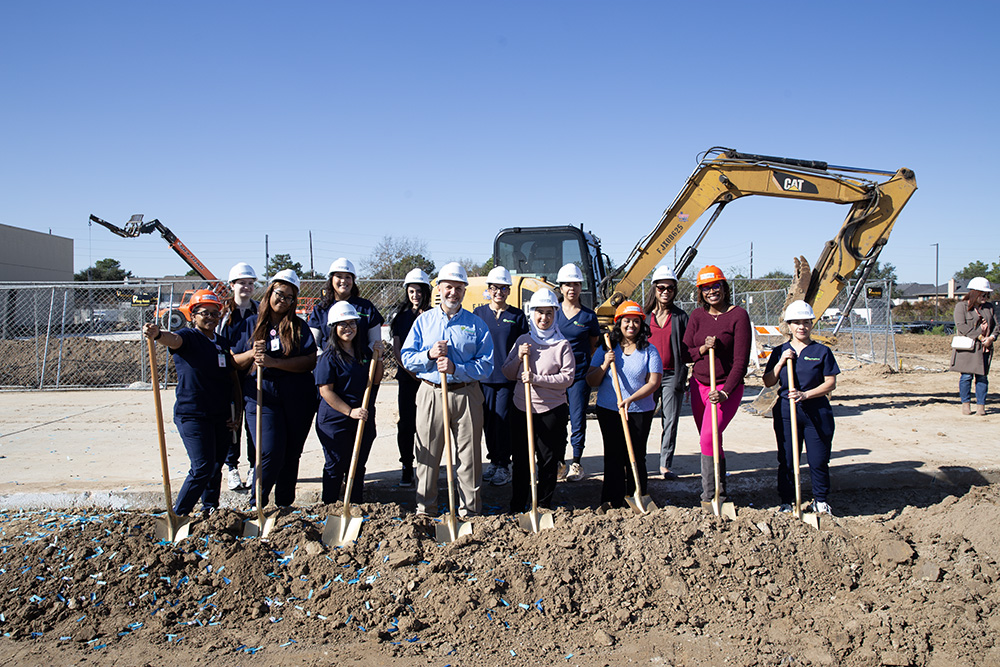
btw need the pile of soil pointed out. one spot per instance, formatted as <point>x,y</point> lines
<point>677,586</point>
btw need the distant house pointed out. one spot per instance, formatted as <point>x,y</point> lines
<point>918,292</point>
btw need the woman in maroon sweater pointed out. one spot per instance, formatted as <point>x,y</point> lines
<point>720,325</point>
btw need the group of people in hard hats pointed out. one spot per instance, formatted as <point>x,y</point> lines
<point>462,377</point>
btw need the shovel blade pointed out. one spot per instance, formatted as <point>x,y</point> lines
<point>726,509</point>
<point>173,528</point>
<point>641,504</point>
<point>443,532</point>
<point>259,526</point>
<point>811,519</point>
<point>534,522</point>
<point>341,530</point>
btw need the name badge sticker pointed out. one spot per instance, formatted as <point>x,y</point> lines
<point>275,345</point>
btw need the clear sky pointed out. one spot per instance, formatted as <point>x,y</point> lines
<point>448,120</point>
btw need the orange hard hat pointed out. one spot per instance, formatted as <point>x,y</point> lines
<point>205,297</point>
<point>708,275</point>
<point>629,308</point>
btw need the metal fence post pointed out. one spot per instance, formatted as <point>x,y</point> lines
<point>48,332</point>
<point>62,335</point>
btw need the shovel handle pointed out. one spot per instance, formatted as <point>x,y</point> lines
<point>155,377</point>
<point>715,426</point>
<point>796,462</point>
<point>358,437</point>
<point>452,522</point>
<point>258,475</point>
<point>530,417</point>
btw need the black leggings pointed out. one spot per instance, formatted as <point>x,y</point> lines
<point>618,481</point>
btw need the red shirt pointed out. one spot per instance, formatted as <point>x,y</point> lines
<point>660,338</point>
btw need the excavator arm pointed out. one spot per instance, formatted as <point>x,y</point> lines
<point>724,175</point>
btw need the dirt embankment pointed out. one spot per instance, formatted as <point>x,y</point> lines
<point>677,587</point>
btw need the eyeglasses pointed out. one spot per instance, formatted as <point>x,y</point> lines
<point>500,288</point>
<point>283,298</point>
<point>207,313</point>
<point>714,287</point>
<point>350,324</point>
<point>666,288</point>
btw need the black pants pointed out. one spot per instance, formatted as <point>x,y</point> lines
<point>618,480</point>
<point>406,428</point>
<point>206,440</point>
<point>550,439</point>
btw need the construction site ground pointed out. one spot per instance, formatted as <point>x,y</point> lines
<point>905,574</point>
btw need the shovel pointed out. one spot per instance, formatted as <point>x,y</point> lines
<point>639,503</point>
<point>341,530</point>
<point>450,528</point>
<point>810,518</point>
<point>262,525</point>
<point>173,528</point>
<point>716,507</point>
<point>532,521</point>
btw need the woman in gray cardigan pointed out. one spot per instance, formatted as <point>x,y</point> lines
<point>974,318</point>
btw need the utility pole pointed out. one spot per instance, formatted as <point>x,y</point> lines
<point>312,268</point>
<point>936,248</point>
<point>751,260</point>
<point>267,257</point>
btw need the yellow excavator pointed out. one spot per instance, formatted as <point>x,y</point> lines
<point>534,255</point>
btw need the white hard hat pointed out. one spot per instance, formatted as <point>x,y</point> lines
<point>799,310</point>
<point>570,273</point>
<point>416,277</point>
<point>453,271</point>
<point>664,272</point>
<point>981,284</point>
<point>342,265</point>
<point>498,276</point>
<point>342,311</point>
<point>287,276</point>
<point>241,271</point>
<point>543,298</point>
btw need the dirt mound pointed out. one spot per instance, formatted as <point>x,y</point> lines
<point>673,587</point>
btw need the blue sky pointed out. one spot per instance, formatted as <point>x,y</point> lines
<point>446,121</point>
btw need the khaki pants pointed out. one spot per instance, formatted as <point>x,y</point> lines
<point>465,407</point>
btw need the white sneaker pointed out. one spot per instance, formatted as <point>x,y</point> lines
<point>491,470</point>
<point>234,479</point>
<point>250,479</point>
<point>575,473</point>
<point>819,507</point>
<point>501,476</point>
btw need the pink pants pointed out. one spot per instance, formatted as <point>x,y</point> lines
<point>702,409</point>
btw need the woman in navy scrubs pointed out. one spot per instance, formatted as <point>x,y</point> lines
<point>816,373</point>
<point>204,396</point>
<point>417,300</point>
<point>278,343</point>
<point>342,376</point>
<point>341,285</point>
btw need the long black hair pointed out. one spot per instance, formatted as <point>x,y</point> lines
<point>287,325</point>
<point>405,305</point>
<point>641,341</point>
<point>330,295</point>
<point>359,346</point>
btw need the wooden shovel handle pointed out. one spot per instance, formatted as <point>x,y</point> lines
<point>358,437</point>
<point>155,377</point>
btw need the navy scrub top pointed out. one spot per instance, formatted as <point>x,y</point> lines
<point>504,330</point>
<point>370,318</point>
<point>349,379</point>
<point>204,386</point>
<point>578,331</point>
<point>279,385</point>
<point>812,365</point>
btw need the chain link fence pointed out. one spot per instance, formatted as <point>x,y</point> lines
<point>88,335</point>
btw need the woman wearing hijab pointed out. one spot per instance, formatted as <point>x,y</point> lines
<point>552,370</point>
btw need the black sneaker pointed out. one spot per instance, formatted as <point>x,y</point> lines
<point>407,480</point>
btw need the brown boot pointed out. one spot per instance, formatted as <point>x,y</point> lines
<point>966,410</point>
<point>980,409</point>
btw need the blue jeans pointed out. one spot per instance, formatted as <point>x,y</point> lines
<point>496,425</point>
<point>578,396</point>
<point>965,388</point>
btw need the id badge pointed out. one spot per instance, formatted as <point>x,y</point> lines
<point>275,345</point>
<point>222,360</point>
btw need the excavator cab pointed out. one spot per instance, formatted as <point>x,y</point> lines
<point>539,252</point>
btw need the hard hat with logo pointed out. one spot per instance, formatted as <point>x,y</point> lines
<point>342,265</point>
<point>664,272</point>
<point>708,275</point>
<point>453,271</point>
<point>341,311</point>
<point>543,298</point>
<point>287,276</point>
<point>980,284</point>
<point>241,271</point>
<point>629,309</point>
<point>569,273</point>
<point>498,276</point>
<point>799,310</point>
<point>416,277</point>
<point>205,297</point>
